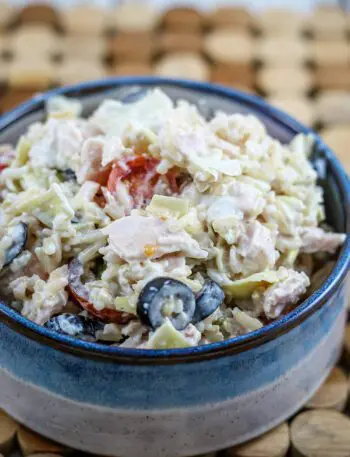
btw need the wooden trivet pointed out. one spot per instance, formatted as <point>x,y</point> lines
<point>8,430</point>
<point>131,68</point>
<point>229,46</point>
<point>33,42</point>
<point>84,20</point>
<point>32,443</point>
<point>132,46</point>
<point>277,81</point>
<point>7,13</point>
<point>73,71</point>
<point>230,17</point>
<point>39,13</point>
<point>134,17</point>
<point>29,74</point>
<point>321,433</point>
<point>327,23</point>
<point>89,48</point>
<point>338,139</point>
<point>327,53</point>
<point>333,107</point>
<point>297,106</point>
<point>280,22</point>
<point>272,444</point>
<point>333,393</point>
<point>183,65</point>
<point>183,18</point>
<point>332,78</point>
<point>283,51</point>
<point>233,74</point>
<point>183,41</point>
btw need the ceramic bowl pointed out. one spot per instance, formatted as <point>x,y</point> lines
<point>132,402</point>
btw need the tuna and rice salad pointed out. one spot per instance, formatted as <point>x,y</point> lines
<point>148,226</point>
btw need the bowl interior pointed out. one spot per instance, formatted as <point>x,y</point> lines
<point>208,98</point>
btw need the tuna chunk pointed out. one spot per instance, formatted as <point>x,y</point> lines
<point>96,153</point>
<point>315,239</point>
<point>284,293</point>
<point>255,250</point>
<point>60,144</point>
<point>139,238</point>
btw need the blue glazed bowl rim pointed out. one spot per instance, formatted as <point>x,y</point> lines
<point>233,345</point>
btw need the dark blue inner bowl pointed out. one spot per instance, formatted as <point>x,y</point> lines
<point>208,98</point>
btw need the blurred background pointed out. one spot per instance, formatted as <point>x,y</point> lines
<point>296,54</point>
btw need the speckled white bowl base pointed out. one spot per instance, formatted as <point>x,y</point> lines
<point>171,432</point>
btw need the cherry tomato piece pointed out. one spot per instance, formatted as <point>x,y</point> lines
<point>80,294</point>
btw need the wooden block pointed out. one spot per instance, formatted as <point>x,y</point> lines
<point>8,430</point>
<point>241,74</point>
<point>39,13</point>
<point>272,444</point>
<point>299,107</point>
<point>280,21</point>
<point>6,15</point>
<point>226,17</point>
<point>333,107</point>
<point>131,46</point>
<point>13,98</point>
<point>325,53</point>
<point>131,68</point>
<point>327,23</point>
<point>183,18</point>
<point>332,78</point>
<point>332,394</point>
<point>32,443</point>
<point>284,50</point>
<point>278,81</point>
<point>183,65</point>
<point>28,74</point>
<point>225,46</point>
<point>73,71</point>
<point>4,72</point>
<point>84,20</point>
<point>347,342</point>
<point>321,433</point>
<point>338,139</point>
<point>131,17</point>
<point>179,41</point>
<point>33,41</point>
<point>89,48</point>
